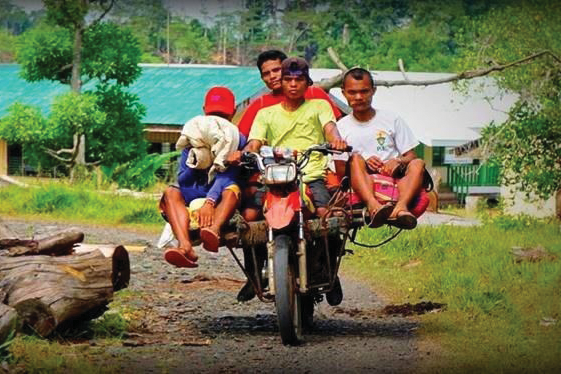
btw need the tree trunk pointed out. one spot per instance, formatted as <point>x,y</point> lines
<point>8,318</point>
<point>75,81</point>
<point>558,204</point>
<point>55,244</point>
<point>47,291</point>
<point>346,35</point>
<point>76,84</point>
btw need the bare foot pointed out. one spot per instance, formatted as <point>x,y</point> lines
<point>210,237</point>
<point>398,208</point>
<point>178,257</point>
<point>188,251</point>
<point>403,219</point>
<point>373,206</point>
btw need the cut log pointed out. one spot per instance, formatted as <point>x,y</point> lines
<point>6,232</point>
<point>55,244</point>
<point>48,291</point>
<point>8,318</point>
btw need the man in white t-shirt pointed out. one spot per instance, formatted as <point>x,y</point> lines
<point>383,144</point>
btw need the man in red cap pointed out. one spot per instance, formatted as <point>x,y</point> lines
<point>203,178</point>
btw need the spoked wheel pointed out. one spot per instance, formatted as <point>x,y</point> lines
<point>287,299</point>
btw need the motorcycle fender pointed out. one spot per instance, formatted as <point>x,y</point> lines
<point>279,211</point>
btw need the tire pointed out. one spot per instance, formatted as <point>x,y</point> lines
<point>287,299</point>
<point>307,312</point>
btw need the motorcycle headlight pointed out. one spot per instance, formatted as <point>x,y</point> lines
<point>279,173</point>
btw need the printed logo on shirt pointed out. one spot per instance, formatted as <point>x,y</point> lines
<point>381,139</point>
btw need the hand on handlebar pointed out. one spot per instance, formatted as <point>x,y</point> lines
<point>234,158</point>
<point>340,145</point>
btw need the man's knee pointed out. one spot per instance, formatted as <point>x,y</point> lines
<point>356,158</point>
<point>250,214</point>
<point>172,194</point>
<point>416,166</point>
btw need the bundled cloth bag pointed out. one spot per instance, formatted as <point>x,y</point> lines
<point>210,139</point>
<point>385,190</point>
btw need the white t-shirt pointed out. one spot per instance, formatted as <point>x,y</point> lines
<point>386,136</point>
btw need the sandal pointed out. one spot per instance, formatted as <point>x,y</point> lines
<point>404,220</point>
<point>178,258</point>
<point>210,239</point>
<point>380,216</point>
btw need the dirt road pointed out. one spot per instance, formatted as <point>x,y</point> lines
<point>190,321</point>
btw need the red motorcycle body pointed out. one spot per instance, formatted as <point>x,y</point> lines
<point>280,209</point>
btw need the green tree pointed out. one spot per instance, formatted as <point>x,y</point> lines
<point>147,21</point>
<point>7,46</point>
<point>527,144</point>
<point>188,42</point>
<point>69,50</point>
<point>13,18</point>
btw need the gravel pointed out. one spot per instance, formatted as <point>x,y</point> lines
<point>188,320</point>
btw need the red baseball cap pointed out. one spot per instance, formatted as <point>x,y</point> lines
<point>220,99</point>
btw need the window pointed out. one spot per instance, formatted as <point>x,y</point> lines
<point>437,156</point>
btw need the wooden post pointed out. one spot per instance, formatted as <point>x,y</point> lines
<point>3,157</point>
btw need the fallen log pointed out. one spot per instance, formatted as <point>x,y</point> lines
<point>8,317</point>
<point>6,232</point>
<point>55,244</point>
<point>48,291</point>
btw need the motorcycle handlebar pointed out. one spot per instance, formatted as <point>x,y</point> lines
<point>251,157</point>
<point>348,149</point>
<point>327,148</point>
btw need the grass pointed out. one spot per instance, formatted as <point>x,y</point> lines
<point>496,308</point>
<point>79,204</point>
<point>35,355</point>
<point>69,351</point>
<point>495,305</point>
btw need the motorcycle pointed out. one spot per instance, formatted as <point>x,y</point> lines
<point>303,252</point>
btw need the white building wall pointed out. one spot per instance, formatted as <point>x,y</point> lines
<point>516,202</point>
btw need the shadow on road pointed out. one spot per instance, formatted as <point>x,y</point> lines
<point>266,324</point>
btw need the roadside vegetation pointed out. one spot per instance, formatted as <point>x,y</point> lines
<point>502,313</point>
<point>80,203</point>
<point>72,351</point>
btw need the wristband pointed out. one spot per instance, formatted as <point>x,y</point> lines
<point>210,201</point>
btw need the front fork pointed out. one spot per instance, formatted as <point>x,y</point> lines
<point>300,253</point>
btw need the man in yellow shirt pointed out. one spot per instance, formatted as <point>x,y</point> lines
<point>298,124</point>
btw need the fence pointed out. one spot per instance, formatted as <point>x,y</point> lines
<point>461,177</point>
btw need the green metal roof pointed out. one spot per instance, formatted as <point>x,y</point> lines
<point>171,94</point>
<point>13,88</point>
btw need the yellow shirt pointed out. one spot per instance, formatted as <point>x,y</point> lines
<point>297,130</point>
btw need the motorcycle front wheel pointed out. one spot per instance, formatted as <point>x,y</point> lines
<point>287,299</point>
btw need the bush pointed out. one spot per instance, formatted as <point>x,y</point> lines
<point>141,173</point>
